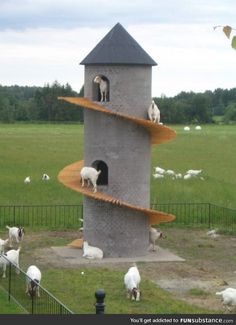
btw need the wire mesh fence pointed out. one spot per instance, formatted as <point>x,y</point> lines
<point>15,286</point>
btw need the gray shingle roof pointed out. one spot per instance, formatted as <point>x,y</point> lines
<point>118,47</point>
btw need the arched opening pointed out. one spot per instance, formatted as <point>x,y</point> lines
<point>103,177</point>
<point>101,88</point>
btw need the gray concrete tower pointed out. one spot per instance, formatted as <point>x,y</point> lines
<point>120,148</point>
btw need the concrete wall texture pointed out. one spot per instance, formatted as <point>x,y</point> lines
<point>125,148</point>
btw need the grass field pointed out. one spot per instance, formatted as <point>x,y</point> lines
<point>34,149</point>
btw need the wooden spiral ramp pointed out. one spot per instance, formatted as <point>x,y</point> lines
<point>70,175</point>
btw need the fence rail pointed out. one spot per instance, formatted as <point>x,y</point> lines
<point>15,286</point>
<point>68,216</point>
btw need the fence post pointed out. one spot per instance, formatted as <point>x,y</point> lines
<point>209,215</point>
<point>32,304</point>
<point>9,283</point>
<point>100,305</point>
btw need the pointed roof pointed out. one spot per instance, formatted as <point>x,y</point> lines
<point>118,47</point>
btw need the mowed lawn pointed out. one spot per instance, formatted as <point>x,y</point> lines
<point>34,149</point>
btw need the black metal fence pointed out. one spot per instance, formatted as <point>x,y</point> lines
<point>43,216</point>
<point>200,214</point>
<point>15,287</point>
<point>68,216</point>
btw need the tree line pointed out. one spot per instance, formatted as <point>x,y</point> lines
<point>18,103</point>
<point>190,107</point>
<point>24,103</point>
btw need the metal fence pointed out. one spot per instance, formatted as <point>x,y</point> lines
<point>15,286</point>
<point>200,214</point>
<point>68,216</point>
<point>43,216</point>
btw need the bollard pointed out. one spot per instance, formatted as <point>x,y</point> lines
<point>99,305</point>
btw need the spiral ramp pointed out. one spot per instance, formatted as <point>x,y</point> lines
<point>69,176</point>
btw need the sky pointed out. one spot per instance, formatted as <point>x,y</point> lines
<point>42,41</point>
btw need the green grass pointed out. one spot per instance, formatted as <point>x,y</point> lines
<point>8,307</point>
<point>212,150</point>
<point>34,149</point>
<point>78,293</point>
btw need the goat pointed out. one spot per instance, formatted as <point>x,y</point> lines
<point>91,252</point>
<point>33,278</point>
<point>3,244</point>
<point>229,297</point>
<point>194,172</point>
<point>15,234</point>
<point>103,87</point>
<point>11,256</point>
<point>154,113</point>
<point>90,174</point>
<point>154,234</point>
<point>132,280</point>
<point>27,180</point>
<point>45,177</point>
<point>159,170</point>
<point>186,128</point>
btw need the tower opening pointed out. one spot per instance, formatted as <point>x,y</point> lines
<point>101,88</point>
<point>103,177</point>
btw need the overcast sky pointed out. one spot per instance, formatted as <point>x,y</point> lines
<point>45,40</point>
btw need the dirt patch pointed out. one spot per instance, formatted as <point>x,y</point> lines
<point>209,266</point>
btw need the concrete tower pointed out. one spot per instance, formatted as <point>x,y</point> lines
<point>119,148</point>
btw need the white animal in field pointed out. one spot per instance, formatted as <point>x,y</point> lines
<point>103,87</point>
<point>154,235</point>
<point>154,113</point>
<point>16,234</point>
<point>213,234</point>
<point>198,127</point>
<point>228,298</point>
<point>170,172</point>
<point>132,281</point>
<point>157,175</point>
<point>159,170</point>
<point>10,256</point>
<point>3,244</point>
<point>186,128</point>
<point>90,174</point>
<point>27,180</point>
<point>33,278</point>
<point>194,172</point>
<point>91,252</point>
<point>188,176</point>
<point>45,177</point>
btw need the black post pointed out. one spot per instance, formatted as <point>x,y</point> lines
<point>99,305</point>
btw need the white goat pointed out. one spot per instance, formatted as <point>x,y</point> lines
<point>27,180</point>
<point>103,87</point>
<point>194,172</point>
<point>159,170</point>
<point>45,177</point>
<point>91,252</point>
<point>33,278</point>
<point>3,244</point>
<point>13,257</point>
<point>90,174</point>
<point>154,234</point>
<point>157,175</point>
<point>132,280</point>
<point>228,297</point>
<point>154,113</point>
<point>198,127</point>
<point>15,234</point>
<point>186,128</point>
